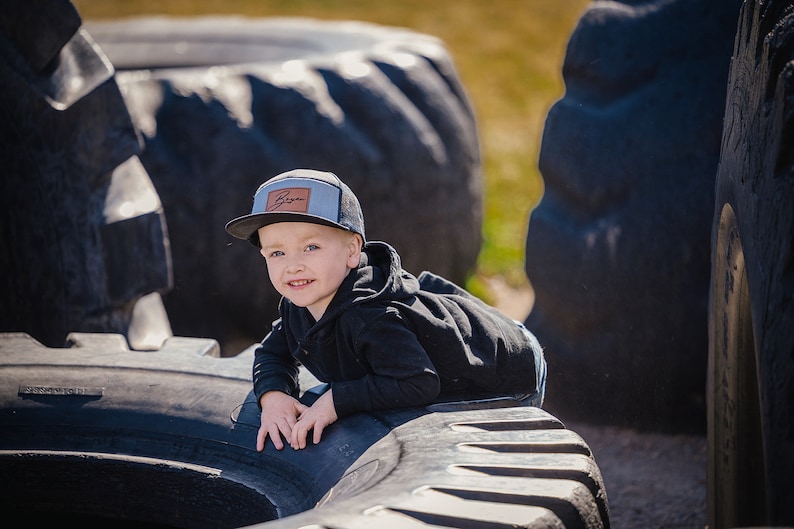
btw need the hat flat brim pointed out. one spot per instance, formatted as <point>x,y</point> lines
<point>245,227</point>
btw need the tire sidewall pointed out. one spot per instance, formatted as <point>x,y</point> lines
<point>751,344</point>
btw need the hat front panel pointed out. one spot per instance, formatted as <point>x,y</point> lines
<point>299,195</point>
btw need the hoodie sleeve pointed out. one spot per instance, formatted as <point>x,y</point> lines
<point>400,373</point>
<point>274,367</point>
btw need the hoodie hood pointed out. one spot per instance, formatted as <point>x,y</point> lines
<point>379,276</point>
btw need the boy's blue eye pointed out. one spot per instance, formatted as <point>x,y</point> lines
<point>312,247</point>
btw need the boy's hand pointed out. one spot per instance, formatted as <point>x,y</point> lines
<point>321,414</point>
<point>280,412</point>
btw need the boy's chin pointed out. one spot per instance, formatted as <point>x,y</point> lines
<point>296,303</point>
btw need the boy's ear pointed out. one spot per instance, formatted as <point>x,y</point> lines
<point>354,255</point>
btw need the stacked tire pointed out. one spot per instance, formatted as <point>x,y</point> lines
<point>86,247</point>
<point>617,250</point>
<point>751,341</point>
<point>96,432</point>
<point>224,103</point>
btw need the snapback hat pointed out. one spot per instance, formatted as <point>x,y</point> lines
<point>300,195</point>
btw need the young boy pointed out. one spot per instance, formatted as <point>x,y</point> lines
<point>355,319</point>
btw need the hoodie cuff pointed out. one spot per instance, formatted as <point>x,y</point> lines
<point>349,398</point>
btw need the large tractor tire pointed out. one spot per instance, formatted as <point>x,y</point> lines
<point>84,241</point>
<point>223,103</point>
<point>617,251</point>
<point>96,434</point>
<point>751,320</point>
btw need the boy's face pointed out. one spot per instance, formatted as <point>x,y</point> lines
<point>307,262</point>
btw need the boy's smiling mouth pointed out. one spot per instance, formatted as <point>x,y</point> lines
<point>299,282</point>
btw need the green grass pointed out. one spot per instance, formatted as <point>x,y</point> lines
<point>508,54</point>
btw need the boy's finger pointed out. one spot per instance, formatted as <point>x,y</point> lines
<point>275,437</point>
<point>296,437</point>
<point>303,434</point>
<point>260,440</point>
<point>318,433</point>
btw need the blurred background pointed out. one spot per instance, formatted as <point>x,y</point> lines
<point>508,54</point>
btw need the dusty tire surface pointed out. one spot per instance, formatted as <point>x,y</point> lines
<point>82,226</point>
<point>617,251</point>
<point>751,343</point>
<point>88,429</point>
<point>223,103</point>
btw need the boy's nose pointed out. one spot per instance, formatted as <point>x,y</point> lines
<point>294,265</point>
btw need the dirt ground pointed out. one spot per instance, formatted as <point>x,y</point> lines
<point>653,481</point>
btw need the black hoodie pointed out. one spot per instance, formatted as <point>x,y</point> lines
<point>389,340</point>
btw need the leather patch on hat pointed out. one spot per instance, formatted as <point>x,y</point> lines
<point>295,199</point>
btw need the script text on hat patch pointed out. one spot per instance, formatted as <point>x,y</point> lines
<point>289,199</point>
